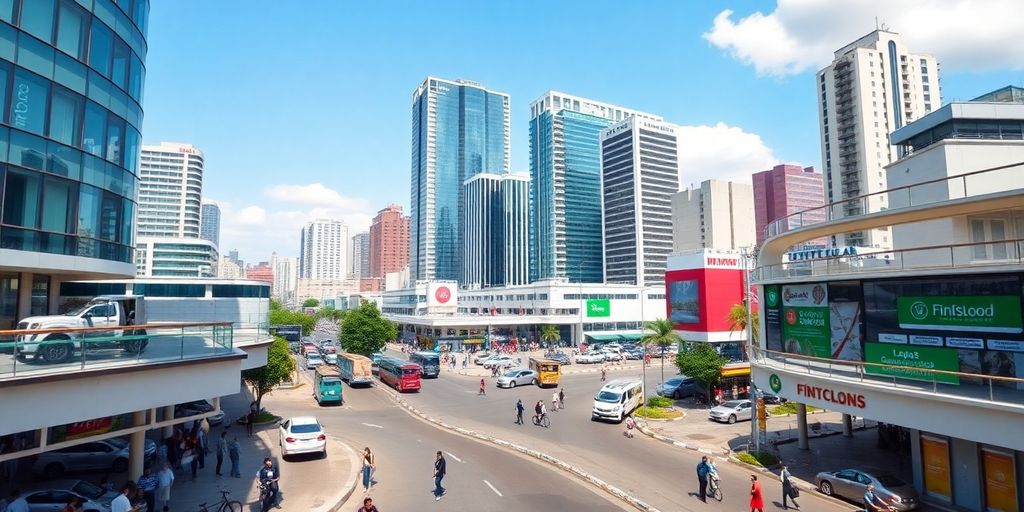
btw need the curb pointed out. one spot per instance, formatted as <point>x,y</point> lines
<point>350,487</point>
<point>543,457</point>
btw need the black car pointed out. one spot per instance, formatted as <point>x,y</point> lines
<point>773,399</point>
<point>561,357</point>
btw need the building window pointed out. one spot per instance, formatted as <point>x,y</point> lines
<point>100,48</point>
<point>71,30</point>
<point>37,18</point>
<point>29,97</point>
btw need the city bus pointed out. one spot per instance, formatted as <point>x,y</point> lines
<point>355,369</point>
<point>399,374</point>
<point>547,371</point>
<point>429,361</point>
<point>327,385</point>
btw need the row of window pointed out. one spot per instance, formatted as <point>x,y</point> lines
<point>87,289</point>
<point>616,296</point>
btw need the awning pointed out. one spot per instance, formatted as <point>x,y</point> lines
<point>631,337</point>
<point>603,338</point>
<point>472,341</point>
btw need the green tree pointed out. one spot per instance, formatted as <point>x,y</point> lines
<point>364,331</point>
<point>700,361</point>
<point>275,305</point>
<point>329,312</point>
<point>737,319</point>
<point>550,333</point>
<point>662,334</point>
<point>278,368</point>
<point>310,303</point>
<point>285,317</point>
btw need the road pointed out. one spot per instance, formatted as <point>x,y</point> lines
<point>480,477</point>
<point>659,474</point>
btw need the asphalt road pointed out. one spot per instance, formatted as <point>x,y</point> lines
<point>480,477</point>
<point>659,474</point>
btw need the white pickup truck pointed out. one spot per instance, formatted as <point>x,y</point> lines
<point>102,311</point>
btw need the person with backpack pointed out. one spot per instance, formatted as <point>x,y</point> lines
<point>703,470</point>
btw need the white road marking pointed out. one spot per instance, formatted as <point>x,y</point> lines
<point>492,487</point>
<point>452,455</point>
<point>372,425</point>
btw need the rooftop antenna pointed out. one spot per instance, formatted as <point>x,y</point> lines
<point>876,22</point>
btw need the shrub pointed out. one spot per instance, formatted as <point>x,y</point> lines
<point>659,401</point>
<point>657,413</point>
<point>762,459</point>
<point>788,408</point>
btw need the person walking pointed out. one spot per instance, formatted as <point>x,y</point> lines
<point>482,391</point>
<point>250,418</point>
<point>368,468</point>
<point>604,373</point>
<point>703,470</point>
<point>756,500</point>
<point>561,398</point>
<point>367,506</point>
<point>630,424</point>
<point>222,450</point>
<point>465,361</point>
<point>234,450</point>
<point>787,488</point>
<point>440,469</point>
<point>148,484</point>
<point>190,454</point>
<point>519,412</point>
<point>165,479</point>
<point>554,401</point>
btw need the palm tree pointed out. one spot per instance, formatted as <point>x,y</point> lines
<point>661,333</point>
<point>550,333</point>
<point>737,319</point>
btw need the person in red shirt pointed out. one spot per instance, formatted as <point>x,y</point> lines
<point>482,390</point>
<point>756,500</point>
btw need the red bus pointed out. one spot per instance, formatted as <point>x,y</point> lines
<point>399,374</point>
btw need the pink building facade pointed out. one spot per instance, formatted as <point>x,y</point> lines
<point>785,190</point>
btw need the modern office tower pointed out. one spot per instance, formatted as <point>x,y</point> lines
<point>565,185</point>
<point>286,277</point>
<point>496,230</point>
<point>873,87</point>
<point>170,191</point>
<point>209,223</point>
<point>459,129</point>
<point>323,251</point>
<point>166,256</point>
<point>639,175</point>
<point>389,241</point>
<point>58,222</point>
<point>360,257</point>
<point>784,190</point>
<point>717,215</point>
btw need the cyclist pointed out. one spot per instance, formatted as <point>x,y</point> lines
<point>268,476</point>
<point>540,410</point>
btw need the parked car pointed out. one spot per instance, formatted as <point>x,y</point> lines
<point>313,360</point>
<point>590,358</point>
<point>107,455</point>
<point>55,495</point>
<point>773,399</point>
<point>303,434</point>
<point>499,362</point>
<point>481,356</point>
<point>731,411</point>
<point>198,407</point>
<point>517,377</point>
<point>677,387</point>
<point>634,354</point>
<point>853,483</point>
<point>561,357</point>
<point>611,355</point>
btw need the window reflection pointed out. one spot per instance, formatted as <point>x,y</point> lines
<point>100,48</point>
<point>28,101</point>
<point>71,33</point>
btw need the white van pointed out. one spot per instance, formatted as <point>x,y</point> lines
<point>617,399</point>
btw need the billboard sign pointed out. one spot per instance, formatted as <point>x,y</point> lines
<point>997,313</point>
<point>599,308</point>
<point>442,296</point>
<point>684,301</point>
<point>928,358</point>
<point>805,325</point>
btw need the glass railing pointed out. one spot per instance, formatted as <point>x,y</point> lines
<point>971,386</point>
<point>953,256</point>
<point>37,352</point>
<point>985,181</point>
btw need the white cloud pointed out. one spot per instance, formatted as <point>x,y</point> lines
<point>314,194</point>
<point>971,35</point>
<point>721,152</point>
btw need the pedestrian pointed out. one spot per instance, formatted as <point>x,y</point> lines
<point>482,391</point>
<point>788,491</point>
<point>554,401</point>
<point>756,500</point>
<point>519,412</point>
<point>201,448</point>
<point>368,468</point>
<point>561,397</point>
<point>188,455</point>
<point>233,451</point>
<point>703,469</point>
<point>465,361</point>
<point>629,427</point>
<point>250,418</point>
<point>148,484</point>
<point>122,503</point>
<point>872,502</point>
<point>222,451</point>
<point>165,479</point>
<point>367,506</point>
<point>604,373</point>
<point>17,502</point>
<point>440,469</point>
<point>268,476</point>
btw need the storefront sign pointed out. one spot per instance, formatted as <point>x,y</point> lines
<point>772,318</point>
<point>1000,481</point>
<point>935,459</point>
<point>599,308</point>
<point>1006,345</point>
<point>931,341</point>
<point>814,254</point>
<point>926,358</point>
<point>892,338</point>
<point>830,395</point>
<point>954,342</point>
<point>805,327</point>
<point>998,313</point>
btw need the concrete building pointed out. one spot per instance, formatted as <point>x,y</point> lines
<point>565,185</point>
<point>873,87</point>
<point>639,176</point>
<point>785,190</point>
<point>324,289</point>
<point>209,223</point>
<point>718,215</point>
<point>389,241</point>
<point>323,250</point>
<point>261,271</point>
<point>170,191</point>
<point>286,278</point>
<point>228,269</point>
<point>459,129</point>
<point>496,230</point>
<point>176,257</point>
<point>360,257</point>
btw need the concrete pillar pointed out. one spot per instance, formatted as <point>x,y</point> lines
<point>801,426</point>
<point>137,447</point>
<point>169,429</point>
<point>24,295</point>
<point>847,425</point>
<point>53,301</point>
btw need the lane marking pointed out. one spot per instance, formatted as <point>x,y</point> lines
<point>452,455</point>
<point>492,488</point>
<point>372,425</point>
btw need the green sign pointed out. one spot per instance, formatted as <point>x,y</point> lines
<point>926,358</point>
<point>806,330</point>
<point>998,313</point>
<point>598,307</point>
<point>772,295</point>
<point>775,383</point>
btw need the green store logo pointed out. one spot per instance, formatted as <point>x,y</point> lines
<point>775,383</point>
<point>919,310</point>
<point>773,297</point>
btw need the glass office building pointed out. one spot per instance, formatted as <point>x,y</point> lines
<point>496,234</point>
<point>459,129</point>
<point>71,81</point>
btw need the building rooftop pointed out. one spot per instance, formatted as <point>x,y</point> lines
<point>1006,104</point>
<point>1008,94</point>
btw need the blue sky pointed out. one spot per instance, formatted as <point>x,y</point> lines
<point>283,99</point>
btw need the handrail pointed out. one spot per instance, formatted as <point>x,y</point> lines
<point>774,226</point>
<point>163,325</point>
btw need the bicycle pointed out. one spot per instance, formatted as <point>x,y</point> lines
<point>715,490</point>
<point>543,421</point>
<point>226,505</point>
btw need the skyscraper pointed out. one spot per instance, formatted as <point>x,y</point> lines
<point>459,129</point>
<point>209,223</point>
<point>360,257</point>
<point>785,190</point>
<point>640,173</point>
<point>717,215</point>
<point>286,277</point>
<point>389,241</point>
<point>873,87</point>
<point>565,185</point>
<point>496,230</point>
<point>170,190</point>
<point>323,251</point>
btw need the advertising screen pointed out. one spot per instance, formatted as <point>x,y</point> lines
<point>821,320</point>
<point>685,301</point>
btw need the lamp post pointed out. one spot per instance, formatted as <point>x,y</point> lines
<point>755,434</point>
<point>583,303</point>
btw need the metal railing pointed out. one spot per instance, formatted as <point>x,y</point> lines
<point>38,352</point>
<point>972,386</point>
<point>950,256</point>
<point>955,187</point>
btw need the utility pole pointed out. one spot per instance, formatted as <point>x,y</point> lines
<point>755,435</point>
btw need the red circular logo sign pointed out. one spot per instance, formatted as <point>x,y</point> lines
<point>791,317</point>
<point>443,294</point>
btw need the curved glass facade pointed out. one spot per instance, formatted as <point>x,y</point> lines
<point>71,81</point>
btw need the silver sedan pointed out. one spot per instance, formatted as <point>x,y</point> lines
<point>517,377</point>
<point>853,483</point>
